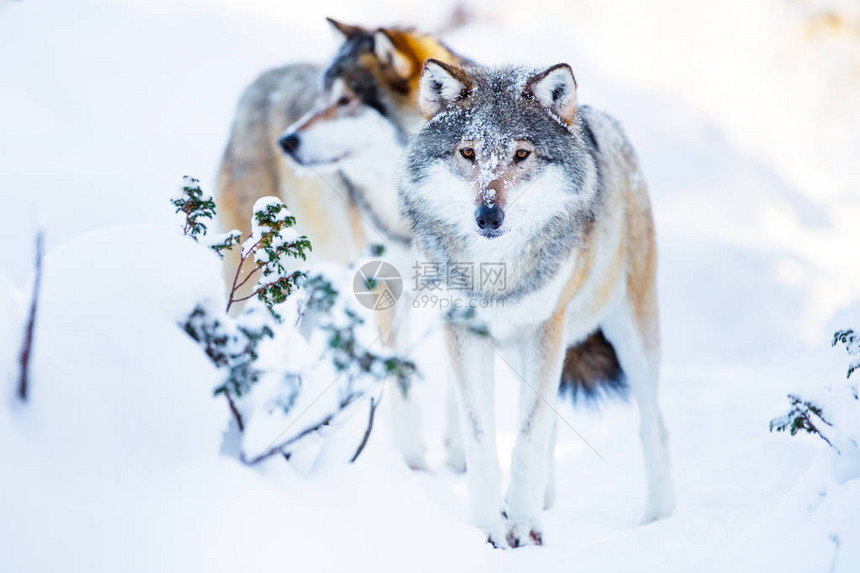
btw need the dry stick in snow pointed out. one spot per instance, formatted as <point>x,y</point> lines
<point>235,411</point>
<point>279,448</point>
<point>361,446</point>
<point>27,347</point>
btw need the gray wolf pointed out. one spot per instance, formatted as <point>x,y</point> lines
<point>509,168</point>
<point>327,140</point>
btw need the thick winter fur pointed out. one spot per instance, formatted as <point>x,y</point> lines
<point>349,122</point>
<point>510,169</point>
<point>253,166</point>
<point>327,140</point>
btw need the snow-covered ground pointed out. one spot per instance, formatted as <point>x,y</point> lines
<point>747,120</point>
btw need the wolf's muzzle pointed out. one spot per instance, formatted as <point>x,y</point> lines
<point>489,219</point>
<point>289,142</point>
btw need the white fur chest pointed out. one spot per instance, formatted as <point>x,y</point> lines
<point>508,320</point>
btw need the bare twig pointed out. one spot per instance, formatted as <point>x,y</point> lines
<point>243,256</point>
<point>252,295</point>
<point>249,275</point>
<point>187,228</point>
<point>233,287</point>
<point>235,411</point>
<point>366,437</point>
<point>279,448</point>
<point>27,346</point>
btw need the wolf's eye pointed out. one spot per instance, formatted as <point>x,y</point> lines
<point>343,100</point>
<point>521,154</point>
<point>468,153</point>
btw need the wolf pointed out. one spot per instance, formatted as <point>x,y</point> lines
<point>343,128</point>
<point>510,169</point>
<point>327,140</point>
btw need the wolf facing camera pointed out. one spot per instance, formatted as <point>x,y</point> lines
<point>510,169</point>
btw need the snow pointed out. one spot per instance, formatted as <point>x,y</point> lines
<point>145,367</point>
<point>745,117</point>
<point>12,316</point>
<point>192,183</point>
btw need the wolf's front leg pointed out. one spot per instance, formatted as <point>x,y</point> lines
<point>472,360</point>
<point>407,405</point>
<point>543,354</point>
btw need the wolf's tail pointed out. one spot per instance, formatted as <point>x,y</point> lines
<point>592,370</point>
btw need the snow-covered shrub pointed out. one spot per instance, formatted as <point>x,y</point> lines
<point>347,351</point>
<point>851,340</point>
<point>272,376</point>
<point>231,344</point>
<point>833,414</point>
<point>272,239</point>
<point>195,205</point>
<point>341,364</point>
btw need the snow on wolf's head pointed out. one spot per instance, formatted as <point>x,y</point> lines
<point>501,161</point>
<point>366,107</point>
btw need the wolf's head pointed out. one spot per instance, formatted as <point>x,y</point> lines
<point>368,102</point>
<point>503,162</point>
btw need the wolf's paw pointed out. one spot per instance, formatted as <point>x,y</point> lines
<point>658,508</point>
<point>496,536</point>
<point>416,462</point>
<point>524,533</point>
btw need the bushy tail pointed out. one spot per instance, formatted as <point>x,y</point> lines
<point>591,370</point>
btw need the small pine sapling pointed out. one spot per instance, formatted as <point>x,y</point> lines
<point>230,345</point>
<point>851,340</point>
<point>803,415</point>
<point>272,238</point>
<point>352,358</point>
<point>195,205</point>
<point>225,242</point>
<point>809,416</point>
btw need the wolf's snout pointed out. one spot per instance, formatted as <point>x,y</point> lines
<point>289,142</point>
<point>489,218</point>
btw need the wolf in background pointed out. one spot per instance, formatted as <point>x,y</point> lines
<point>343,128</point>
<point>509,169</point>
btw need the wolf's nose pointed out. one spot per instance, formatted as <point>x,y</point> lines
<point>489,218</point>
<point>289,142</point>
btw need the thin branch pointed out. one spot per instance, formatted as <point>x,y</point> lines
<point>235,411</point>
<point>27,346</point>
<point>235,278</point>
<point>366,437</point>
<point>187,228</point>
<point>252,295</point>
<point>279,448</point>
<point>243,256</point>
<point>817,431</point>
<point>304,307</point>
<point>248,277</point>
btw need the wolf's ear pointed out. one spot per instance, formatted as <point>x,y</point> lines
<point>441,85</point>
<point>343,31</point>
<point>555,88</point>
<point>389,55</point>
